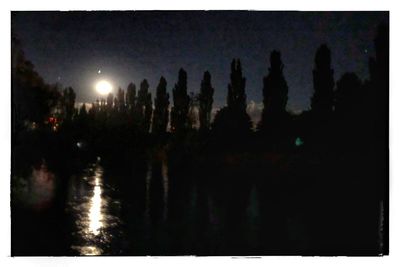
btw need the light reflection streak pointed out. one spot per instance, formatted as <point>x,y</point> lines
<point>91,217</point>
<point>164,173</point>
<point>88,250</point>
<point>148,183</point>
<point>95,214</point>
<point>42,183</point>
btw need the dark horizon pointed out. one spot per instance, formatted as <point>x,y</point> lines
<point>128,46</point>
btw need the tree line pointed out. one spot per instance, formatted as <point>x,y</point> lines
<point>184,111</point>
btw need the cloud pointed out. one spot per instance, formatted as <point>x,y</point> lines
<point>254,110</point>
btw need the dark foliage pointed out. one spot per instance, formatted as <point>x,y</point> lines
<point>347,93</point>
<point>179,112</point>
<point>274,118</point>
<point>236,98</point>
<point>161,109</point>
<point>232,124</point>
<point>131,97</point>
<point>144,107</point>
<point>322,100</point>
<point>68,103</point>
<point>205,102</point>
<point>32,98</point>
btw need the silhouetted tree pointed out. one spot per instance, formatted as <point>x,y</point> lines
<point>144,107</point>
<point>161,103</point>
<point>121,100</point>
<point>131,97</point>
<point>236,95</point>
<point>96,105</point>
<point>275,92</point>
<point>82,111</point>
<point>205,102</point>
<point>179,112</point>
<point>379,132</point>
<point>68,103</point>
<point>376,127</point>
<point>82,119</point>
<point>32,99</point>
<point>103,104</point>
<point>347,94</point>
<point>322,100</point>
<point>110,101</point>
<point>379,75</point>
<point>232,122</point>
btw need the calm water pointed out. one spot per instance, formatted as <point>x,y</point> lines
<point>159,209</point>
<point>144,211</point>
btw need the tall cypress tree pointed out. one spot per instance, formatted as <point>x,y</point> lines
<point>347,94</point>
<point>161,103</point>
<point>233,122</point>
<point>121,100</point>
<point>322,100</point>
<point>275,92</point>
<point>144,107</point>
<point>181,99</point>
<point>379,75</point>
<point>236,95</point>
<point>205,101</point>
<point>130,97</point>
<point>68,102</point>
<point>83,111</point>
<point>82,118</point>
<point>110,99</point>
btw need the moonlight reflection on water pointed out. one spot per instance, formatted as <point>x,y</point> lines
<point>95,214</point>
<point>93,221</point>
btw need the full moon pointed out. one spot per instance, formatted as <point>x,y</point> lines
<point>103,87</point>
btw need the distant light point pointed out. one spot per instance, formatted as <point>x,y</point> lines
<point>99,72</point>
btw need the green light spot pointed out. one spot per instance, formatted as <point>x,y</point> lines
<point>298,141</point>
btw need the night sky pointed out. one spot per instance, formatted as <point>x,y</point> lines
<point>71,47</point>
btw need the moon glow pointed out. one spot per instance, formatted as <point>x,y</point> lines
<point>103,87</point>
